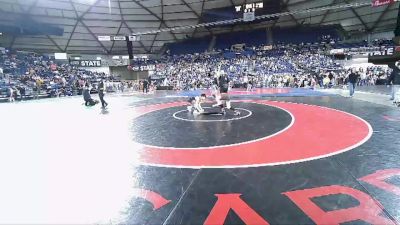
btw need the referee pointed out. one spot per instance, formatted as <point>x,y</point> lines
<point>101,94</point>
<point>394,78</point>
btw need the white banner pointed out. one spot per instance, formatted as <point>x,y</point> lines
<point>339,51</point>
<point>267,47</point>
<point>60,55</point>
<point>143,68</point>
<point>104,38</point>
<point>85,63</point>
<point>119,38</point>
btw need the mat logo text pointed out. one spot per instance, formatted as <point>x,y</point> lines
<point>368,209</point>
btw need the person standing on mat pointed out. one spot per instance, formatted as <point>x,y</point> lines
<point>12,94</point>
<point>223,82</point>
<point>145,86</point>
<point>215,89</point>
<point>352,79</point>
<point>394,78</point>
<point>101,94</point>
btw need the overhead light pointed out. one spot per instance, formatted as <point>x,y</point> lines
<point>98,58</point>
<point>77,58</point>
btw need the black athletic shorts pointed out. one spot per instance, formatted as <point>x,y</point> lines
<point>225,97</point>
<point>223,90</point>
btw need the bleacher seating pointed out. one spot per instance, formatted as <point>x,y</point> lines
<point>189,46</point>
<point>257,37</point>
<point>250,38</point>
<point>27,72</point>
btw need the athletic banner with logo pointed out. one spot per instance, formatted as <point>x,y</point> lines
<point>119,38</point>
<point>85,63</point>
<point>376,3</point>
<point>149,67</point>
<point>104,38</point>
<point>385,55</point>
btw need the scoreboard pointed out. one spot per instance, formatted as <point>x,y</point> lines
<point>250,7</point>
<point>257,8</point>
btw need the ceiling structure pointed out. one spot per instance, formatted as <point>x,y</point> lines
<point>84,20</point>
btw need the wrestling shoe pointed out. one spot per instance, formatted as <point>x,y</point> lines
<point>195,113</point>
<point>223,111</point>
<point>217,105</point>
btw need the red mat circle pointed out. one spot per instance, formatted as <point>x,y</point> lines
<point>317,132</point>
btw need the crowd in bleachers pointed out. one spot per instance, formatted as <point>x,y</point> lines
<point>302,65</point>
<point>281,66</point>
<point>30,75</point>
<point>296,64</point>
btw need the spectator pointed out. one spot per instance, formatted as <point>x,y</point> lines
<point>394,79</point>
<point>353,79</point>
<point>11,94</point>
<point>101,94</point>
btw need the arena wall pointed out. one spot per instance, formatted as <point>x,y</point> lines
<point>125,74</point>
